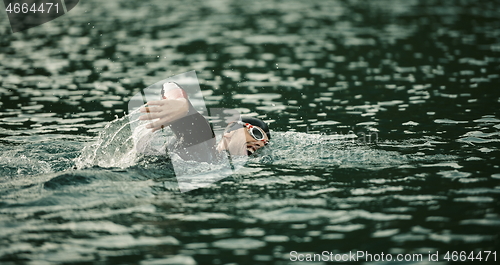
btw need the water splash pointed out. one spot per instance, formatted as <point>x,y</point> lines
<point>319,150</point>
<point>114,146</point>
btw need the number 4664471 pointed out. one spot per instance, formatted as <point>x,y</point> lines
<point>25,8</point>
<point>462,256</point>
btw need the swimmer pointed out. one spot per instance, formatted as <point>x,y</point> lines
<point>191,129</point>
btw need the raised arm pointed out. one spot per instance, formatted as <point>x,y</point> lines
<point>175,110</point>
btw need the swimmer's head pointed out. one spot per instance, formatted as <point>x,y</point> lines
<point>259,123</point>
<point>245,137</point>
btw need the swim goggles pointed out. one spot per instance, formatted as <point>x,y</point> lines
<point>256,132</point>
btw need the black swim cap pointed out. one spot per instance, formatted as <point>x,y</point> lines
<point>257,122</point>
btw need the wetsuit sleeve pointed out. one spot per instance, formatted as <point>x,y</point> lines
<point>195,139</point>
<point>192,129</point>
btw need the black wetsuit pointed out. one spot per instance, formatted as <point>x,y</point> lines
<point>195,139</point>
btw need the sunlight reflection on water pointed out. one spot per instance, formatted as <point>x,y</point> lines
<point>418,77</point>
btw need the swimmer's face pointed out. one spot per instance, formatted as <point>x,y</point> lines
<point>240,142</point>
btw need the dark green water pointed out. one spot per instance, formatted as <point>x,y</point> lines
<point>420,77</point>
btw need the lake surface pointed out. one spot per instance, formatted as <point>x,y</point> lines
<point>417,83</point>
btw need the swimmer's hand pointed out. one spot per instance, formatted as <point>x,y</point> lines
<point>165,110</point>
